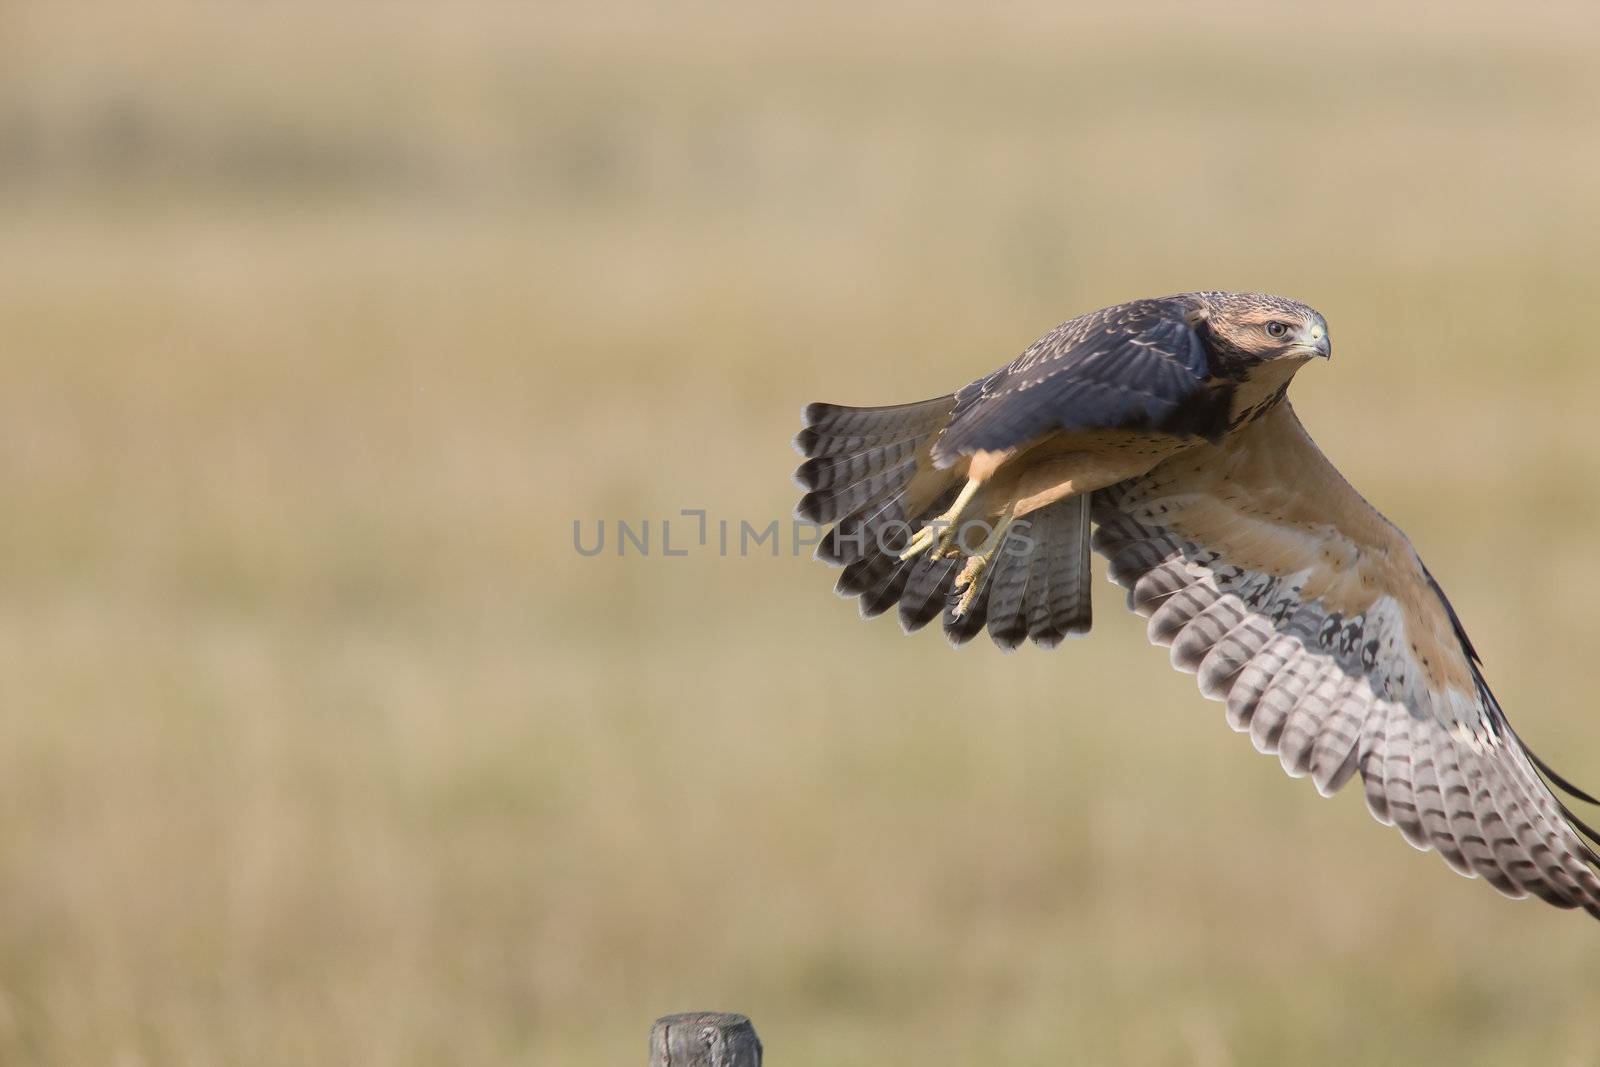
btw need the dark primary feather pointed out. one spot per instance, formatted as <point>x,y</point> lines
<point>1134,366</point>
<point>1555,779</point>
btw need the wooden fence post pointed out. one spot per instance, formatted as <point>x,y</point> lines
<point>704,1039</point>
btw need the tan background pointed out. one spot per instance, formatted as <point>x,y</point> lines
<point>320,325</point>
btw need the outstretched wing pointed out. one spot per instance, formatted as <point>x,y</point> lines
<point>1311,616</point>
<point>1139,365</point>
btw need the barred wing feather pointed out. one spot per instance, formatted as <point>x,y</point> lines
<point>1330,644</point>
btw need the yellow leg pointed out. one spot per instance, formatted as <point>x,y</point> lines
<point>970,580</point>
<point>943,529</point>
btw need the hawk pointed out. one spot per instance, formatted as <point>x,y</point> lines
<point>1165,425</point>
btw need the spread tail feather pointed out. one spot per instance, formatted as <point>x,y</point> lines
<point>869,472</point>
<point>1038,586</point>
<point>862,471</point>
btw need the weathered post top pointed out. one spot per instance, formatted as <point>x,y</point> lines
<point>704,1039</point>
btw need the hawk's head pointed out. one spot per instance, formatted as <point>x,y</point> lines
<point>1246,329</point>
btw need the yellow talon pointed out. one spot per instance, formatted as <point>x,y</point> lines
<point>943,530</point>
<point>969,581</point>
<point>920,542</point>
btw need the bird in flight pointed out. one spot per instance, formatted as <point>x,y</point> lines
<point>1165,423</point>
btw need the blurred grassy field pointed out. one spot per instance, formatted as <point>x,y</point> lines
<point>319,326</point>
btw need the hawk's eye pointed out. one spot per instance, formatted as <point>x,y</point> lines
<point>1277,329</point>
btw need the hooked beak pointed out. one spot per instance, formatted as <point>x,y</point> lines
<point>1317,342</point>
